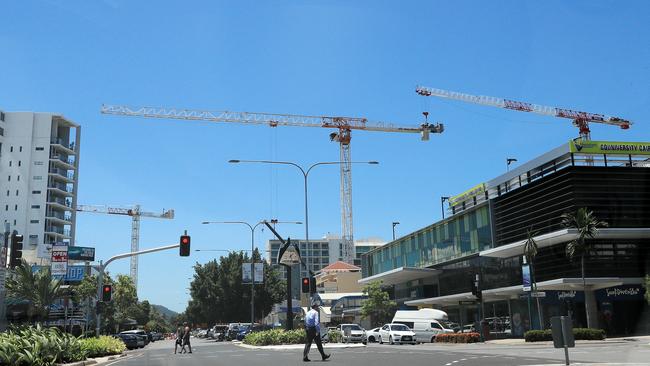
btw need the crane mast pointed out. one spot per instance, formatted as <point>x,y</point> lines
<point>580,119</point>
<point>135,214</point>
<point>344,125</point>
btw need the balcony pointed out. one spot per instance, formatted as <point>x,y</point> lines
<point>60,189</point>
<point>57,232</point>
<point>64,146</point>
<point>58,218</point>
<point>62,161</point>
<point>62,175</point>
<point>60,204</point>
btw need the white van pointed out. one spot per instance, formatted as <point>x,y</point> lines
<point>426,323</point>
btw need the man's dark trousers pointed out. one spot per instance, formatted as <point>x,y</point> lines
<point>313,335</point>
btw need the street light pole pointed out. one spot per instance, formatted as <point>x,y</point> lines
<point>442,205</point>
<point>305,174</point>
<point>394,224</point>
<point>252,227</point>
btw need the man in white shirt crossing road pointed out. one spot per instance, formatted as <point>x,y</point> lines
<point>312,327</point>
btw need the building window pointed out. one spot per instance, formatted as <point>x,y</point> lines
<point>9,178</point>
<point>39,148</point>
<point>15,207</point>
<point>33,239</point>
<point>2,116</point>
<point>2,131</point>
<point>36,222</point>
<point>38,177</point>
<point>19,163</point>
<point>7,193</point>
<point>18,178</point>
<point>36,192</point>
<point>36,206</point>
<point>16,192</point>
<point>11,149</point>
<point>10,163</point>
<point>38,163</point>
<point>20,149</point>
<point>14,222</point>
<point>6,207</point>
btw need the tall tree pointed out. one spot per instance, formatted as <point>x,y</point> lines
<point>218,294</point>
<point>125,299</point>
<point>587,225</point>
<point>378,307</point>
<point>530,252</point>
<point>39,288</point>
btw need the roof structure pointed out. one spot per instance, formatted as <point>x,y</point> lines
<point>340,266</point>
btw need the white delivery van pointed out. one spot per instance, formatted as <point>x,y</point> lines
<point>426,323</point>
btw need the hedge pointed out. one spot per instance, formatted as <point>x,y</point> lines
<point>578,333</point>
<point>39,346</point>
<point>458,338</point>
<point>275,336</point>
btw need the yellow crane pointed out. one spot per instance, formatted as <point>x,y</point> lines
<point>344,125</point>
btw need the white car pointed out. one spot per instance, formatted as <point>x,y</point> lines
<point>351,333</point>
<point>373,335</point>
<point>396,333</point>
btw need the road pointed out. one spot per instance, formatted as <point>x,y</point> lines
<point>205,352</point>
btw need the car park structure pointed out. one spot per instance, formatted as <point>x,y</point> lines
<point>484,237</point>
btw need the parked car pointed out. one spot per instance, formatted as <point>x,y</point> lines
<point>373,335</point>
<point>352,333</point>
<point>246,329</point>
<point>219,332</point>
<point>396,333</point>
<point>131,341</point>
<point>140,334</point>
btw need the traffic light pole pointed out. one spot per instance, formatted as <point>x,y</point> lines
<point>102,267</point>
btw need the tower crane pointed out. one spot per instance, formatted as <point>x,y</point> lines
<point>344,125</point>
<point>135,214</point>
<point>580,119</point>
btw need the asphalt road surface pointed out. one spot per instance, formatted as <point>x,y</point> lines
<point>206,352</point>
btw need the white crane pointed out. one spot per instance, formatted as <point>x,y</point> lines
<point>580,119</point>
<point>135,214</point>
<point>344,125</point>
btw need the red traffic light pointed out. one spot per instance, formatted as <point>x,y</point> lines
<point>305,280</point>
<point>107,294</point>
<point>184,246</point>
<point>185,240</point>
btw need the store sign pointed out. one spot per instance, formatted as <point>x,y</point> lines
<point>73,273</point>
<point>246,273</point>
<point>525,273</point>
<point>561,295</point>
<point>623,292</point>
<point>81,254</point>
<point>609,147</point>
<point>59,261</point>
<point>475,191</point>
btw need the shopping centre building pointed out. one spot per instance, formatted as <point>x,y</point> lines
<point>488,226</point>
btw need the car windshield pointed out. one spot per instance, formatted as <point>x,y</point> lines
<point>244,327</point>
<point>400,327</point>
<point>351,327</point>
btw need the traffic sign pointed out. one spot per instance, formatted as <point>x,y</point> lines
<point>59,260</point>
<point>538,294</point>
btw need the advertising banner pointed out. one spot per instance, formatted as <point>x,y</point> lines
<point>525,273</point>
<point>246,273</point>
<point>73,273</point>
<point>59,260</point>
<point>475,191</point>
<point>609,147</point>
<point>81,254</point>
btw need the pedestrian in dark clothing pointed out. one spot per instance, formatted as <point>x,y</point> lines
<point>179,339</point>
<point>186,338</point>
<point>312,327</point>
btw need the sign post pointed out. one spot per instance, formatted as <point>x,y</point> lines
<point>59,260</point>
<point>562,334</point>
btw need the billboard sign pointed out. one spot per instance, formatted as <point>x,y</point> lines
<point>475,191</point>
<point>59,260</point>
<point>81,254</point>
<point>609,147</point>
<point>246,273</point>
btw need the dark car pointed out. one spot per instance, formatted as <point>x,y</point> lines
<point>140,333</point>
<point>244,330</point>
<point>130,340</point>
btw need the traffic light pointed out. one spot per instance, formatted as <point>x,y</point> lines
<point>305,285</point>
<point>476,291</point>
<point>107,293</point>
<point>185,246</point>
<point>16,250</point>
<point>312,285</point>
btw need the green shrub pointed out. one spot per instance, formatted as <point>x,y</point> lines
<point>38,346</point>
<point>458,338</point>
<point>275,336</point>
<point>102,346</point>
<point>578,334</point>
<point>334,336</point>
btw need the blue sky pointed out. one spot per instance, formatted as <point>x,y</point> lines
<point>361,58</point>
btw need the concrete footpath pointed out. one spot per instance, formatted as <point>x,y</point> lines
<point>520,341</point>
<point>95,361</point>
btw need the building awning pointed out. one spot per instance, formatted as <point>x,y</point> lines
<point>442,300</point>
<point>563,236</point>
<point>513,292</point>
<point>400,275</point>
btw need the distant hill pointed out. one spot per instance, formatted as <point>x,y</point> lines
<point>164,311</point>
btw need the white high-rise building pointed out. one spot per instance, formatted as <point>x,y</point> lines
<point>39,164</point>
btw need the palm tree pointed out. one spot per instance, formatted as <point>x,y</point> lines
<point>39,288</point>
<point>530,252</point>
<point>587,225</point>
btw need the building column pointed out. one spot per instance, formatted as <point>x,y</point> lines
<point>591,308</point>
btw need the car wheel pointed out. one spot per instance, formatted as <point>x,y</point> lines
<point>390,340</point>
<point>381,341</point>
<point>433,339</point>
<point>371,339</point>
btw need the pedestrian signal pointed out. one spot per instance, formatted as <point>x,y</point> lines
<point>185,246</point>
<point>107,293</point>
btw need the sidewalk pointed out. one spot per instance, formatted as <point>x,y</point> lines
<point>282,347</point>
<point>94,361</point>
<point>521,341</point>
